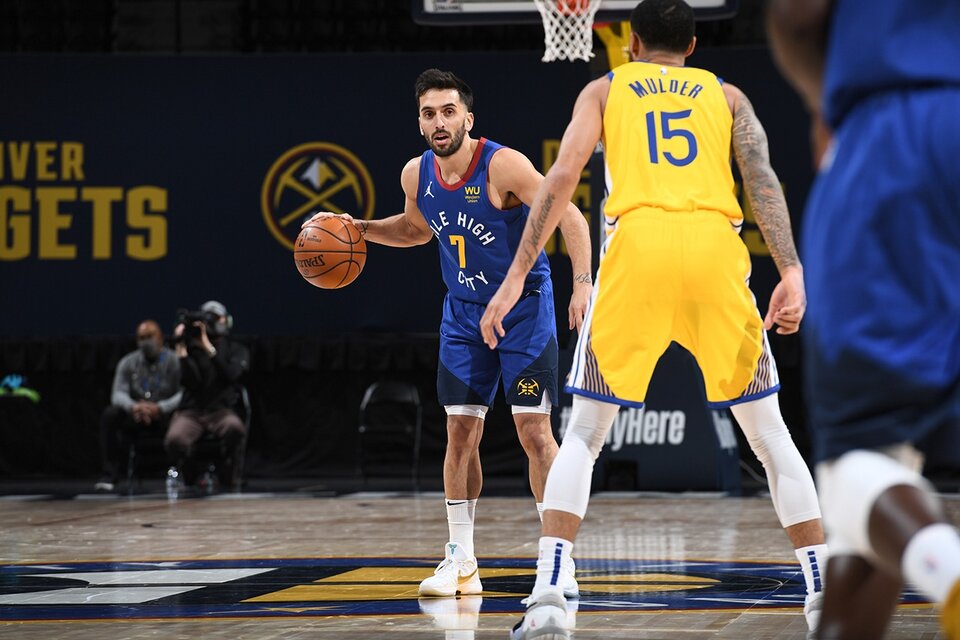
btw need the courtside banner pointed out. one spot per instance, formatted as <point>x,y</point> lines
<point>131,186</point>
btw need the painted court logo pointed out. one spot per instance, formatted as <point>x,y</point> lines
<point>316,176</point>
<point>373,586</point>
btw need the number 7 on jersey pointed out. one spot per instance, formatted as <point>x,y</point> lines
<point>461,245</point>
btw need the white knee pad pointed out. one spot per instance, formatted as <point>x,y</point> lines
<point>543,407</point>
<point>470,410</point>
<point>590,420</point>
<point>849,487</point>
<point>568,484</point>
<point>791,485</point>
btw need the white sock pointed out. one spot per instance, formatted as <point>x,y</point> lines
<point>540,511</point>
<point>813,562</point>
<point>472,509</point>
<point>931,561</point>
<point>460,524</point>
<point>553,552</point>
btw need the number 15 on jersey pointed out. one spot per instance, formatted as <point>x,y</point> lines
<point>670,126</point>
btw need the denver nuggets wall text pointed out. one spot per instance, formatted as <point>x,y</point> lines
<point>49,212</point>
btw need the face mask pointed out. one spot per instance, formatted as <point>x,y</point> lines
<point>220,327</point>
<point>149,348</point>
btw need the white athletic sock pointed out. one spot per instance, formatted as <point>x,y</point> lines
<point>813,562</point>
<point>553,552</point>
<point>931,561</point>
<point>460,524</point>
<point>472,509</point>
<point>540,511</point>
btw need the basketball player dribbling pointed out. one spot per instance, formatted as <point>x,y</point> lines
<point>673,268</point>
<point>881,235</point>
<point>473,195</point>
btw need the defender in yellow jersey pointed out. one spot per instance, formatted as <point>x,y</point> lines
<point>673,258</point>
<point>673,268</point>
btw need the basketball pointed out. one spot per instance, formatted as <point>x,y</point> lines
<point>330,253</point>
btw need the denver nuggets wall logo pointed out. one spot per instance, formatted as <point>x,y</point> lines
<point>316,176</point>
<point>528,387</point>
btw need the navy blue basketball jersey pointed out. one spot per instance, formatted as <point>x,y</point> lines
<point>882,46</point>
<point>477,240</point>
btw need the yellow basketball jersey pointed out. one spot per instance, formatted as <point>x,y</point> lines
<point>666,137</point>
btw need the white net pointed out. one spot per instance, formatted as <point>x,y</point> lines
<point>567,28</point>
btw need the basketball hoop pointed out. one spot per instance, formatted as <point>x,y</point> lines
<point>567,28</point>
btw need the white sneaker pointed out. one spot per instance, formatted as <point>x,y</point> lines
<point>567,580</point>
<point>545,619</point>
<point>456,574</point>
<point>812,608</point>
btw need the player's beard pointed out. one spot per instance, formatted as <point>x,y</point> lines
<point>456,140</point>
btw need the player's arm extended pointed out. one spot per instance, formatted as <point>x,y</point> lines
<point>549,204</point>
<point>576,235</point>
<point>405,229</point>
<point>512,172</point>
<point>762,188</point>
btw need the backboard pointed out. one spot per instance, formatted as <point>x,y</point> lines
<point>467,12</point>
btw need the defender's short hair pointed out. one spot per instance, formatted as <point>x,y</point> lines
<point>664,25</point>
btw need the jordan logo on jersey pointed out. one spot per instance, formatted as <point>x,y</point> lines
<point>427,192</point>
<point>528,387</point>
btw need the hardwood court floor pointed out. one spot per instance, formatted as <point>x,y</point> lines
<point>282,566</point>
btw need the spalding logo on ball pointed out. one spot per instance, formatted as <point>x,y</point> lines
<point>330,253</point>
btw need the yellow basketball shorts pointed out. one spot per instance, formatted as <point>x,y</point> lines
<point>673,276</point>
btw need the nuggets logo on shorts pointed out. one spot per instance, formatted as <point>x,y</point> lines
<point>316,176</point>
<point>528,387</point>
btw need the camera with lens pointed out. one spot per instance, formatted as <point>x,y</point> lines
<point>187,318</point>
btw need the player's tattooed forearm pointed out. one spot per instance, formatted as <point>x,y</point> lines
<point>363,227</point>
<point>583,278</point>
<point>761,186</point>
<point>540,219</point>
<point>537,222</point>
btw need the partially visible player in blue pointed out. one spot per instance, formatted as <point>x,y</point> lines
<point>474,196</point>
<point>881,244</point>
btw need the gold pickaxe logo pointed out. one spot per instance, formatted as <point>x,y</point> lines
<point>528,387</point>
<point>316,176</point>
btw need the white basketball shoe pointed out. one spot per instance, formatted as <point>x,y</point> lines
<point>545,619</point>
<point>812,608</point>
<point>566,581</point>
<point>456,574</point>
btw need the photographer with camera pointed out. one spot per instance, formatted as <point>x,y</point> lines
<point>146,390</point>
<point>211,366</point>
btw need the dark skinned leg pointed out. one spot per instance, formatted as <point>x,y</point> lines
<point>858,600</point>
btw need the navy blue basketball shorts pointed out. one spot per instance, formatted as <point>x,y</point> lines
<point>881,254</point>
<point>526,357</point>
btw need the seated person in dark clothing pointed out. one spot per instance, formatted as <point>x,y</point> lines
<point>211,365</point>
<point>146,390</point>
